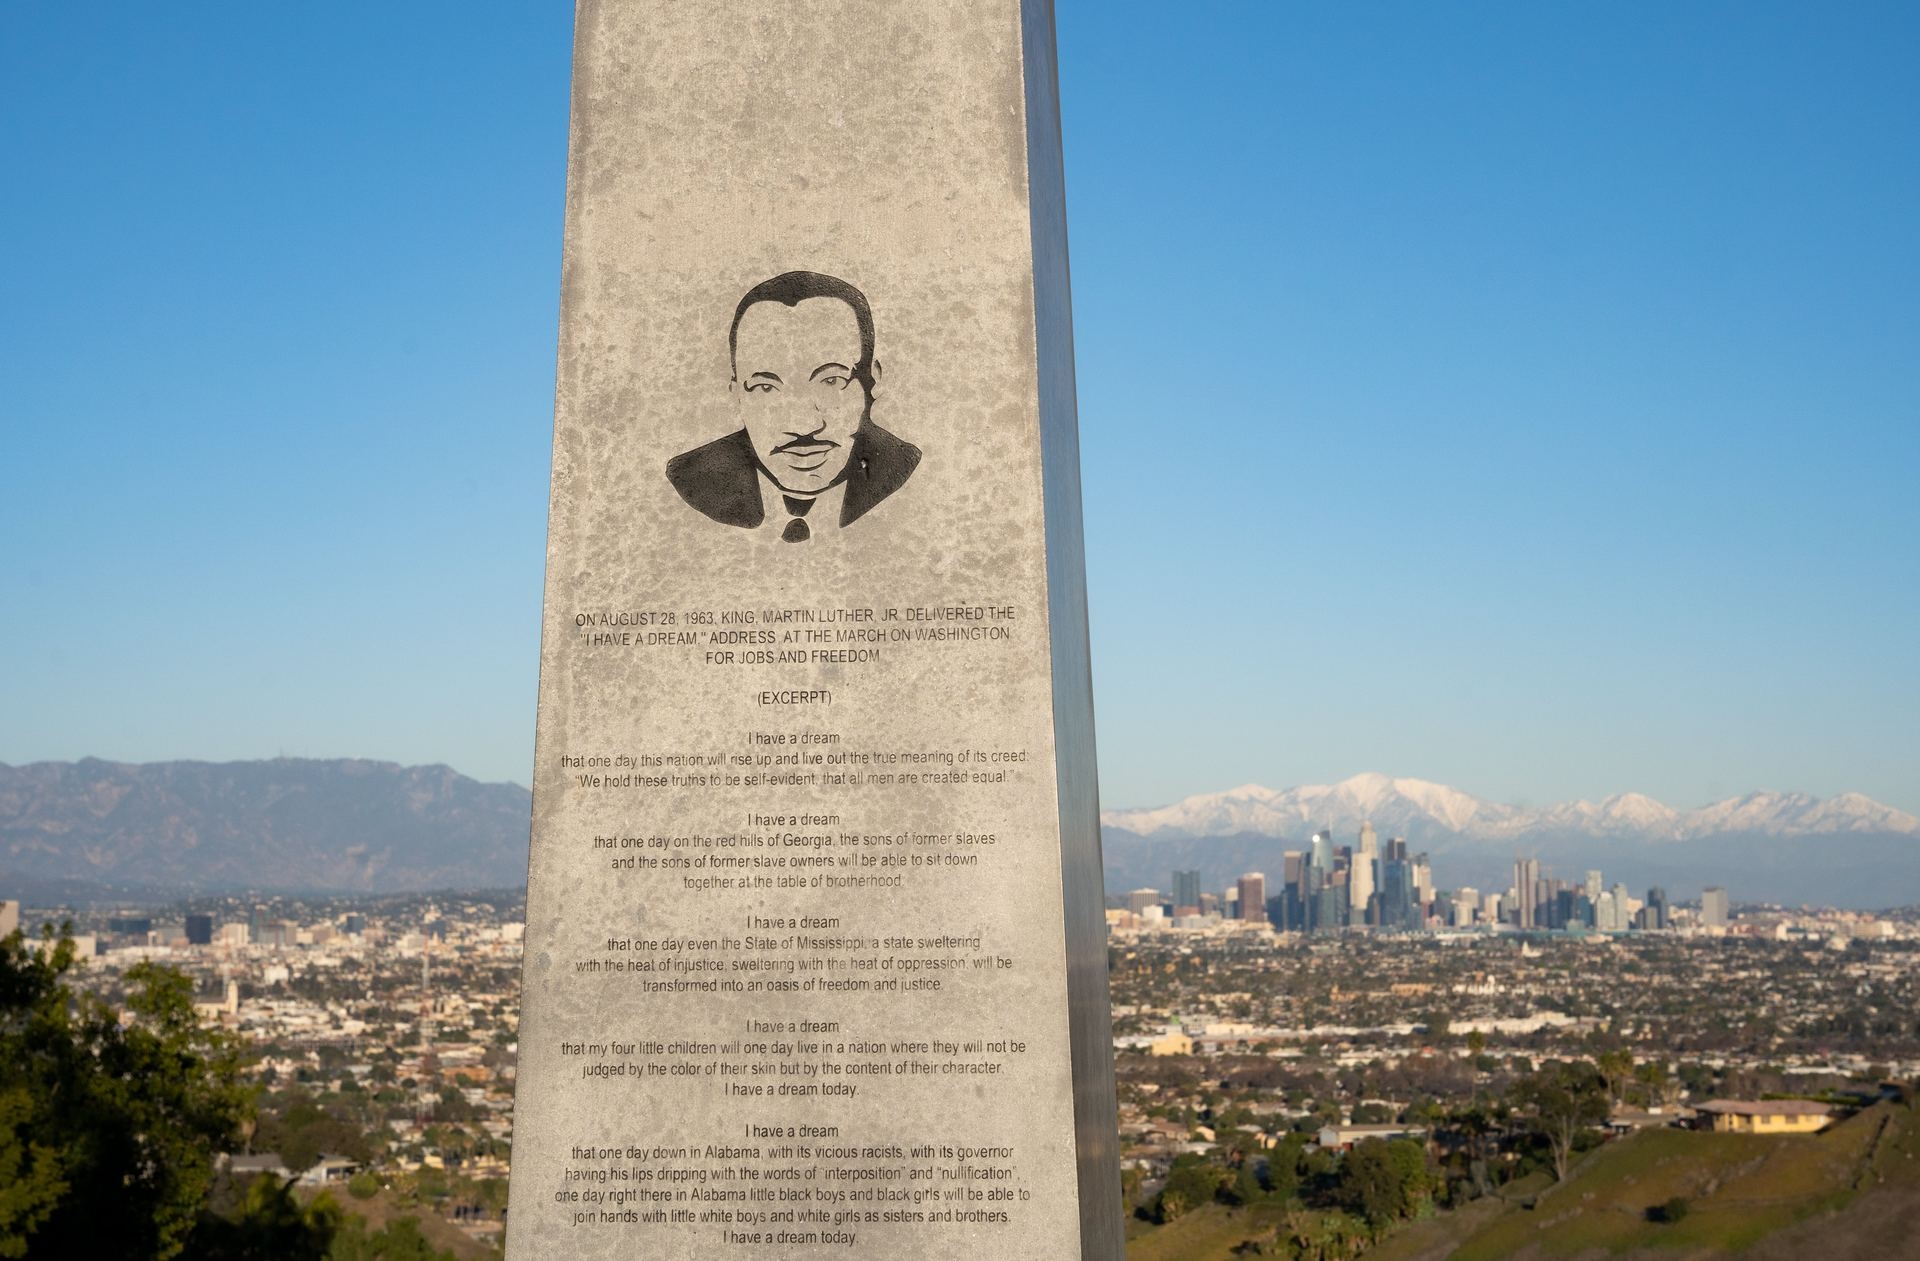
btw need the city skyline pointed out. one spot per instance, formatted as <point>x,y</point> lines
<point>1329,887</point>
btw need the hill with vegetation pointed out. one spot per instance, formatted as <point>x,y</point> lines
<point>1850,1193</point>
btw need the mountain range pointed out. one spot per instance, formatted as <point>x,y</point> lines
<point>72,831</point>
<point>75,831</point>
<point>1423,811</point>
<point>1788,847</point>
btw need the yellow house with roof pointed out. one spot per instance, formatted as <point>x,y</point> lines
<point>1767,1116</point>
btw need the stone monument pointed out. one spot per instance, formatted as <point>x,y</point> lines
<point>815,954</point>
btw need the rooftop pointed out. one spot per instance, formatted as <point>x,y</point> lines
<point>1765,1108</point>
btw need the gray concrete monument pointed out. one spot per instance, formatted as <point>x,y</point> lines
<point>815,959</point>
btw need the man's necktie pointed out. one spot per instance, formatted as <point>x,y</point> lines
<point>796,531</point>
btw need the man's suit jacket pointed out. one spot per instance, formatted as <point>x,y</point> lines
<point>722,478</point>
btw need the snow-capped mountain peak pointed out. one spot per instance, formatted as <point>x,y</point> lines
<point>1420,809</point>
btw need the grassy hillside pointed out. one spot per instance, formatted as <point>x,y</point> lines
<point>1205,1234</point>
<point>1850,1193</point>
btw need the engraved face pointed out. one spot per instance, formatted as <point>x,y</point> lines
<point>796,389</point>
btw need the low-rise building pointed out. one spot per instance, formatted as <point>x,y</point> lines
<point>1173,1042</point>
<point>1340,1138</point>
<point>1766,1116</point>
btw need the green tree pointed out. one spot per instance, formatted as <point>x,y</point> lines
<point>1383,1182</point>
<point>270,1224</point>
<point>1191,1182</point>
<point>1246,1187</point>
<point>1660,1085</point>
<point>301,1130</point>
<point>31,1185</point>
<point>1616,1067</point>
<point>453,1106</point>
<point>1408,1160</point>
<point>1130,1179</point>
<point>1370,1186</point>
<point>109,1130</point>
<point>1561,1102</point>
<point>1283,1168</point>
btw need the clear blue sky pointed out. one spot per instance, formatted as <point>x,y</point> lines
<point>1520,396</point>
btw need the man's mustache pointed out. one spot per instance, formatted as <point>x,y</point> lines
<point>809,442</point>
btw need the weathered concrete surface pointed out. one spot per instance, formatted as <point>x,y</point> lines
<point>799,941</point>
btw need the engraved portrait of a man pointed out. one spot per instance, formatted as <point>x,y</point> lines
<point>807,457</point>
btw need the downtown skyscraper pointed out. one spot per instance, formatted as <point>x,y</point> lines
<point>1526,892</point>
